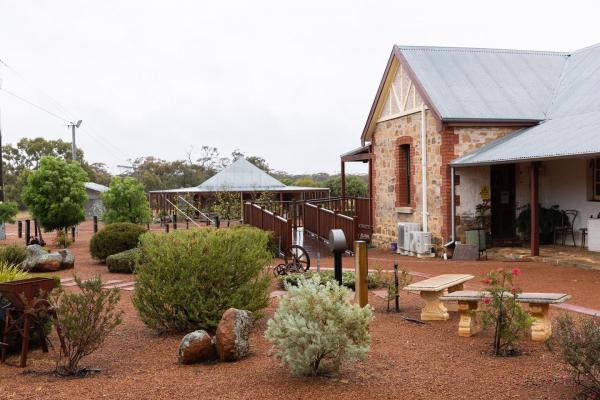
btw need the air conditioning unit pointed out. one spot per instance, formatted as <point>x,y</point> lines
<point>404,229</point>
<point>421,242</point>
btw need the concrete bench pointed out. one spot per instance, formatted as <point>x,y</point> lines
<point>431,289</point>
<point>539,303</point>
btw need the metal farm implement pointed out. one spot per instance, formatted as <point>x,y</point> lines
<point>296,260</point>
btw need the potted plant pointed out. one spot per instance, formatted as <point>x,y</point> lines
<point>549,218</point>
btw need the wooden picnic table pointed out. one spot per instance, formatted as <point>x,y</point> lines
<point>430,291</point>
<point>539,304</point>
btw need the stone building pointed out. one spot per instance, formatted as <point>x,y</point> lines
<point>502,125</point>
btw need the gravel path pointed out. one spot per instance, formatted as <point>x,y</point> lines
<point>407,361</point>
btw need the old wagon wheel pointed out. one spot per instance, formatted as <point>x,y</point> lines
<point>297,256</point>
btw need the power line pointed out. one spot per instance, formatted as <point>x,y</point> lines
<point>34,105</point>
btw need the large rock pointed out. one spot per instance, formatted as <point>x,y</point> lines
<point>39,260</point>
<point>197,346</point>
<point>232,335</point>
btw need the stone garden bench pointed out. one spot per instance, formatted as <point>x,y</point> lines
<point>431,289</point>
<point>539,303</point>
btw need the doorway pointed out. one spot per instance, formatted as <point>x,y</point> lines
<point>502,179</point>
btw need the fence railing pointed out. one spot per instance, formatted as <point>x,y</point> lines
<point>258,216</point>
<point>319,221</point>
<point>359,207</point>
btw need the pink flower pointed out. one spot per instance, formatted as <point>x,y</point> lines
<point>514,290</point>
<point>487,300</point>
<point>516,271</point>
<point>487,281</point>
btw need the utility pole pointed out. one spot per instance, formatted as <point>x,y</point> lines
<point>73,145</point>
<point>1,166</point>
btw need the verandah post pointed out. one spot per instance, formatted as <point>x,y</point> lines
<point>534,207</point>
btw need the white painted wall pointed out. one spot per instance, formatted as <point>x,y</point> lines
<point>471,181</point>
<point>562,182</point>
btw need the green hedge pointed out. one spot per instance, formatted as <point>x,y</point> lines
<point>123,262</point>
<point>115,238</point>
<point>188,278</point>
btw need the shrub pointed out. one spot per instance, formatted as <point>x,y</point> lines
<point>503,311</point>
<point>314,329</point>
<point>62,239</point>
<point>374,279</point>
<point>115,238</point>
<point>126,201</point>
<point>10,272</point>
<point>123,262</point>
<point>579,346</point>
<point>92,304</point>
<point>187,279</point>
<point>12,254</point>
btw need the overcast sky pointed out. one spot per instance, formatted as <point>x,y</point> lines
<point>291,82</point>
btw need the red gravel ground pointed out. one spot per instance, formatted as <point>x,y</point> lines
<point>406,361</point>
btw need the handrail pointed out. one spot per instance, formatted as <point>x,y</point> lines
<point>201,213</point>
<point>184,214</point>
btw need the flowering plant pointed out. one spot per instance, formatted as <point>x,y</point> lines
<point>503,311</point>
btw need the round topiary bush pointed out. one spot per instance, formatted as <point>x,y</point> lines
<point>187,279</point>
<point>115,238</point>
<point>123,262</point>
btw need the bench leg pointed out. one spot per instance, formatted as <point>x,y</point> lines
<point>541,329</point>
<point>453,305</point>
<point>434,309</point>
<point>468,324</point>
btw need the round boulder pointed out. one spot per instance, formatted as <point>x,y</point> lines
<point>232,335</point>
<point>195,347</point>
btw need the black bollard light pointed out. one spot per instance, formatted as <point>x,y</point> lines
<point>174,221</point>
<point>166,227</point>
<point>397,293</point>
<point>73,232</point>
<point>95,219</point>
<point>20,229</point>
<point>217,221</point>
<point>27,231</point>
<point>337,245</point>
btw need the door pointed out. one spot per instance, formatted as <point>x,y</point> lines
<point>502,179</point>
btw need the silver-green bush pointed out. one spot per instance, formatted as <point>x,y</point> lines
<point>315,330</point>
<point>187,279</point>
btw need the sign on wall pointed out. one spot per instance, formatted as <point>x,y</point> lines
<point>484,192</point>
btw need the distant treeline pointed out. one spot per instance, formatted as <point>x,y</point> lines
<point>155,173</point>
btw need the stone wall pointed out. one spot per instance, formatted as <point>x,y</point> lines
<point>442,147</point>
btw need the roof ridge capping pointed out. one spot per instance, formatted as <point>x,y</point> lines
<point>486,50</point>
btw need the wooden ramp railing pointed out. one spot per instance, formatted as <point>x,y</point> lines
<point>264,219</point>
<point>319,221</point>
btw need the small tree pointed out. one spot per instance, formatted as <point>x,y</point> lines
<point>85,318</point>
<point>55,193</point>
<point>228,205</point>
<point>503,311</point>
<point>8,212</point>
<point>126,201</point>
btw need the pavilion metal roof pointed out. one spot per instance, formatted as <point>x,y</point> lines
<point>241,176</point>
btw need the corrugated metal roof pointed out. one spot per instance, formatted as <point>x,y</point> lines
<point>487,84</point>
<point>240,176</point>
<point>572,124</point>
<point>561,137</point>
<point>95,187</point>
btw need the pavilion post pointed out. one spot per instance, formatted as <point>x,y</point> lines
<point>534,205</point>
<point>343,179</point>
